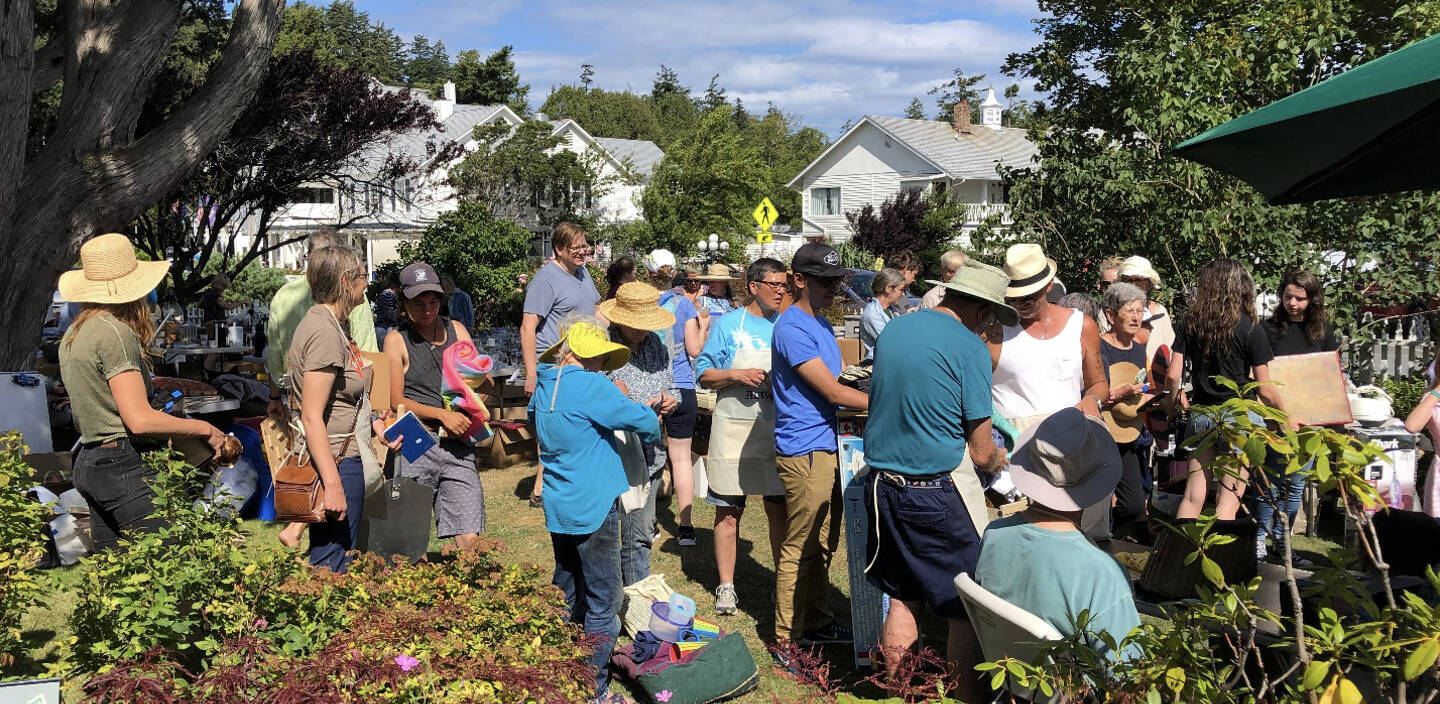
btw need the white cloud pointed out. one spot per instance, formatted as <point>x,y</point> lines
<point>829,62</point>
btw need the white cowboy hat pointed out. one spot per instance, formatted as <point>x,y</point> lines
<point>1067,462</point>
<point>1028,268</point>
<point>110,273</point>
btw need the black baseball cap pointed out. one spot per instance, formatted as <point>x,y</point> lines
<point>419,278</point>
<point>817,259</point>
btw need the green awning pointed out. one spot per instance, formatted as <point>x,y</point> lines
<point>1373,129</point>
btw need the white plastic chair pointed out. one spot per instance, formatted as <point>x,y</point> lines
<point>1005,630</point>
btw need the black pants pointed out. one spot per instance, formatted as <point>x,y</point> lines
<point>1130,493</point>
<point>116,484</point>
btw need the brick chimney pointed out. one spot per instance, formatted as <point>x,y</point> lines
<point>962,117</point>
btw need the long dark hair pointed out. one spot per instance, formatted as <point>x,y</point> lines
<point>1317,318</point>
<point>1224,293</point>
<point>615,275</point>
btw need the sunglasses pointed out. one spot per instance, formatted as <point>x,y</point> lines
<point>1024,300</point>
<point>691,284</point>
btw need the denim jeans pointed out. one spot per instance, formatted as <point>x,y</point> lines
<point>116,484</point>
<point>637,536</point>
<point>1285,490</point>
<point>587,570</point>
<point>331,541</point>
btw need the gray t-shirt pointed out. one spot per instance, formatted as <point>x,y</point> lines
<point>555,293</point>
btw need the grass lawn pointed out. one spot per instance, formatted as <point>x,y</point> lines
<point>690,571</point>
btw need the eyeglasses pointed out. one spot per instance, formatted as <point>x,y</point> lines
<point>774,285</point>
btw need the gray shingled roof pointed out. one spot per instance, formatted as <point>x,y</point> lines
<point>413,143</point>
<point>973,155</point>
<point>640,155</point>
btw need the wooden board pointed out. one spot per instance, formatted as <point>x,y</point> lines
<point>380,387</point>
<point>1312,387</point>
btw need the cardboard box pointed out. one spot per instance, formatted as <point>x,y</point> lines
<point>850,350</point>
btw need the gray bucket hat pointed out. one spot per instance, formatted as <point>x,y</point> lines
<point>983,282</point>
<point>1067,462</point>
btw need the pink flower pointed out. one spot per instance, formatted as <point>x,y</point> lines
<point>663,696</point>
<point>261,623</point>
<point>406,662</point>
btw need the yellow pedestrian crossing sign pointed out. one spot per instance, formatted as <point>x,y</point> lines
<point>765,215</point>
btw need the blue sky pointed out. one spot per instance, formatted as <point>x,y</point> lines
<point>827,62</point>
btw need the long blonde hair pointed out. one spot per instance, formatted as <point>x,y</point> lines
<point>135,314</point>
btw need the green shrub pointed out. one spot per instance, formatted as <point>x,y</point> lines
<point>22,522</point>
<point>185,588</point>
<point>486,255</point>
<point>1405,392</point>
<point>185,615</point>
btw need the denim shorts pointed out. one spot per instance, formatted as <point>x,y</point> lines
<point>1200,423</point>
<point>920,538</point>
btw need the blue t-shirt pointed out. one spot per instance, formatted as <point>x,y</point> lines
<point>931,375</point>
<point>1056,575</point>
<point>731,333</point>
<point>804,420</point>
<point>684,310</point>
<point>583,471</point>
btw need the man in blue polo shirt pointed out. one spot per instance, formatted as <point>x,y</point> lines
<point>929,407</point>
<point>805,364</point>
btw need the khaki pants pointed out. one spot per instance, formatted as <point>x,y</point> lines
<point>812,533</point>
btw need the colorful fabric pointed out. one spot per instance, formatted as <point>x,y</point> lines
<point>462,370</point>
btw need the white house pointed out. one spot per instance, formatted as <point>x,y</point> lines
<point>379,216</point>
<point>879,156</point>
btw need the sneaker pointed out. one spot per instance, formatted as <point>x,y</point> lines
<point>832,633</point>
<point>686,536</point>
<point>782,662</point>
<point>726,600</point>
<point>1260,552</point>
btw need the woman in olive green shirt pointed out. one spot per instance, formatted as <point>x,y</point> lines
<point>104,368</point>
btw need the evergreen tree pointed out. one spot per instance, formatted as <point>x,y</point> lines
<point>961,87</point>
<point>427,65</point>
<point>587,75</point>
<point>915,110</point>
<point>714,95</point>
<point>493,81</point>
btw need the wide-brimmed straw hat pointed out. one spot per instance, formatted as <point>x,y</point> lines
<point>637,305</point>
<point>1067,462</point>
<point>1139,266</point>
<point>717,272</point>
<point>1028,268</point>
<point>110,273</point>
<point>980,280</point>
<point>1123,418</point>
<point>588,341</point>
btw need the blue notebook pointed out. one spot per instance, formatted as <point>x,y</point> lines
<point>418,440</point>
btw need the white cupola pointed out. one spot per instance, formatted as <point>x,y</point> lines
<point>991,110</point>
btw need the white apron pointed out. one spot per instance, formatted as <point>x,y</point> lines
<point>742,434</point>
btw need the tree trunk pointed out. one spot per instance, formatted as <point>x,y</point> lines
<point>94,176</point>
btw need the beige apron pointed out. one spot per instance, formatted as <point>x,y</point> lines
<point>971,493</point>
<point>742,434</point>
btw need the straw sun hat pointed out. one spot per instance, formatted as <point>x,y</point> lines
<point>110,273</point>
<point>637,305</point>
<point>717,272</point>
<point>1028,268</point>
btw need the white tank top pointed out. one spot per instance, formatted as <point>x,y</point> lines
<point>1039,377</point>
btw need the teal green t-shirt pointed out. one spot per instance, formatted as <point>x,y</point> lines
<point>931,375</point>
<point>1056,575</point>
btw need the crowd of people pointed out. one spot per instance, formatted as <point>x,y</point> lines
<point>991,379</point>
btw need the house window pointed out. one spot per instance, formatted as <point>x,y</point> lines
<point>824,201</point>
<point>939,186</point>
<point>315,195</point>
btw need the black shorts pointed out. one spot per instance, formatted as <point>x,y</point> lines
<point>924,538</point>
<point>680,424</point>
